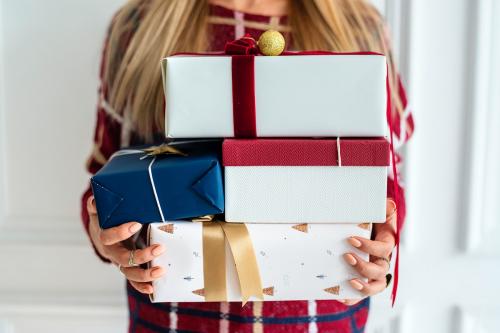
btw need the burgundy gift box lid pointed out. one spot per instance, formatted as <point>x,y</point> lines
<point>305,152</point>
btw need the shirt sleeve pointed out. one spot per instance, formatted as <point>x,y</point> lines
<point>402,124</point>
<point>106,140</point>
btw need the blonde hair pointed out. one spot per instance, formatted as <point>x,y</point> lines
<point>153,29</point>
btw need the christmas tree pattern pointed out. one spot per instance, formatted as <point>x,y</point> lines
<point>167,228</point>
<point>366,226</point>
<point>199,292</point>
<point>333,290</point>
<point>268,291</point>
<point>301,227</point>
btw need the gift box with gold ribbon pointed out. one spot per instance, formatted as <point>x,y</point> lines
<point>219,261</point>
<point>153,184</point>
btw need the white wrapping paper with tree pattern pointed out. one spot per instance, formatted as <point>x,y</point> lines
<point>296,261</point>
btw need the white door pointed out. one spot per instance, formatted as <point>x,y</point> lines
<point>449,54</point>
<point>450,57</point>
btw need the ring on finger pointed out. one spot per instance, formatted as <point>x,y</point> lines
<point>131,257</point>
<point>120,266</point>
<point>387,260</point>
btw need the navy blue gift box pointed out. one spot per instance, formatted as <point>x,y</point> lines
<point>135,186</point>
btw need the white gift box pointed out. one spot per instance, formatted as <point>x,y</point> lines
<point>290,96</point>
<point>296,262</point>
<point>301,181</point>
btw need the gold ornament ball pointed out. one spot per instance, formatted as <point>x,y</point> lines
<point>271,43</point>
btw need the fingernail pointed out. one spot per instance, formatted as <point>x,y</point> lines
<point>157,250</point>
<point>156,272</point>
<point>354,242</point>
<point>135,227</point>
<point>350,259</point>
<point>356,284</point>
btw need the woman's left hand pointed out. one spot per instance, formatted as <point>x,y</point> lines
<point>380,250</point>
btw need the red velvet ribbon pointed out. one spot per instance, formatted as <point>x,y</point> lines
<point>244,119</point>
<point>246,45</point>
<point>242,53</point>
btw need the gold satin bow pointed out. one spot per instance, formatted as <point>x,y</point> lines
<point>214,261</point>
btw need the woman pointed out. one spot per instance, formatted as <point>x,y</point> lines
<point>131,111</point>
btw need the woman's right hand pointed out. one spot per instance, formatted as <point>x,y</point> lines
<point>110,244</point>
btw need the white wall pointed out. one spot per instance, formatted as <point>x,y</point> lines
<point>51,281</point>
<point>449,50</point>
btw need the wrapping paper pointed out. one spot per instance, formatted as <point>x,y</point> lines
<point>292,96</point>
<point>300,181</point>
<point>185,186</point>
<point>296,261</point>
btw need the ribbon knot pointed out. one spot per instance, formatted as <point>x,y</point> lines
<point>215,234</point>
<point>246,45</point>
<point>163,149</point>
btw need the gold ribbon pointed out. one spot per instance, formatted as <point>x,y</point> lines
<point>203,218</point>
<point>214,261</point>
<point>162,149</point>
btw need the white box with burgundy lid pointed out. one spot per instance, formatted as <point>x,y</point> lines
<point>305,181</point>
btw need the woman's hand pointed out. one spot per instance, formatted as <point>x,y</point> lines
<point>110,243</point>
<point>380,250</point>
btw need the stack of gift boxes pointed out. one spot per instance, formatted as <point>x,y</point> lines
<point>303,166</point>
